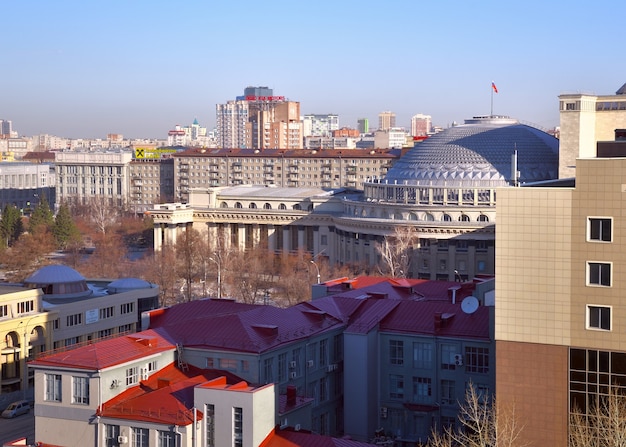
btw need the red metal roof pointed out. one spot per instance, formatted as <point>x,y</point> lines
<point>289,437</point>
<point>167,397</point>
<point>108,353</point>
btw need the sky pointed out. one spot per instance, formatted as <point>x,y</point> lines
<point>84,69</point>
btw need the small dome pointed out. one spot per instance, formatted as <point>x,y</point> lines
<point>125,284</point>
<point>479,153</point>
<point>58,281</point>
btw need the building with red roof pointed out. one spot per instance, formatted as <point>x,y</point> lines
<point>374,356</point>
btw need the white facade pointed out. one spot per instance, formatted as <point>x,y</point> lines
<point>421,125</point>
<point>232,118</point>
<point>320,125</point>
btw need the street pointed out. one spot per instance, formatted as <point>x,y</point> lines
<point>19,427</point>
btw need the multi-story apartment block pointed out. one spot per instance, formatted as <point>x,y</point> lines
<point>363,125</point>
<point>386,120</point>
<point>86,176</point>
<point>25,184</point>
<point>203,168</point>
<point>321,143</point>
<point>320,125</point>
<point>6,129</point>
<point>394,137</point>
<point>259,120</point>
<point>336,365</point>
<point>586,119</point>
<point>421,125</point>
<point>151,182</point>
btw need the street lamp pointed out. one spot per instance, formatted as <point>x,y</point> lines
<point>26,351</point>
<point>318,271</point>
<point>219,278</point>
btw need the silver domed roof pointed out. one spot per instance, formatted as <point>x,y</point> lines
<point>479,152</point>
<point>126,284</point>
<point>54,274</point>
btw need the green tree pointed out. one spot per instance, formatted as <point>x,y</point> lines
<point>64,229</point>
<point>42,217</point>
<point>11,226</point>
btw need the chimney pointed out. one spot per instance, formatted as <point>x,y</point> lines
<point>438,321</point>
<point>291,395</point>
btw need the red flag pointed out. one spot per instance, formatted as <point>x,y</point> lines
<point>493,86</point>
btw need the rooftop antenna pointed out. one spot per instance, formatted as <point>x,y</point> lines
<point>469,305</point>
<point>515,174</point>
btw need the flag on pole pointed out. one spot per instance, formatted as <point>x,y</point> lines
<point>493,86</point>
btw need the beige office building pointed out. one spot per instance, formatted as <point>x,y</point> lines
<point>585,120</point>
<point>560,314</point>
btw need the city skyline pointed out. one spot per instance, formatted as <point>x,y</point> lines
<point>82,70</point>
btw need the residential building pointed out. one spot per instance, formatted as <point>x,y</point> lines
<point>320,125</point>
<point>586,119</point>
<point>310,366</point>
<point>151,181</point>
<point>394,137</point>
<point>6,129</point>
<point>386,120</point>
<point>24,184</point>
<point>421,125</point>
<point>204,168</point>
<point>363,125</point>
<point>560,314</point>
<point>452,209</point>
<point>259,120</point>
<point>323,143</point>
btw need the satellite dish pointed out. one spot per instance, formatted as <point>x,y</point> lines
<point>469,304</point>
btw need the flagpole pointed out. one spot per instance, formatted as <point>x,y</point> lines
<point>491,88</point>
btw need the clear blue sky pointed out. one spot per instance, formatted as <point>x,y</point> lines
<point>82,69</point>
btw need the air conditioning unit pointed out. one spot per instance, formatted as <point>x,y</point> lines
<point>115,384</point>
<point>292,375</point>
<point>332,367</point>
<point>458,359</point>
<point>309,363</point>
<point>292,364</point>
<point>122,439</point>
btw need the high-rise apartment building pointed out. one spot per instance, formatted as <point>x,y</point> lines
<point>585,120</point>
<point>421,125</point>
<point>6,128</point>
<point>259,120</point>
<point>363,125</point>
<point>319,125</point>
<point>386,120</point>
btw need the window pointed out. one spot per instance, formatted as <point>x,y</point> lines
<point>477,360</point>
<point>53,387</point>
<point>25,306</point>
<point>447,392</point>
<point>4,310</point>
<point>448,359</point>
<point>237,427</point>
<point>127,308</point>
<point>599,274</point>
<point>396,352</point>
<point>167,439</point>
<point>139,437</point>
<point>74,320</point>
<point>106,312</point>
<point>111,432</point>
<point>282,367</point>
<point>396,386</point>
<point>131,376</point>
<point>80,390</point>
<point>599,229</point>
<point>323,389</point>
<point>422,355</point>
<point>229,364</point>
<point>268,370</point>
<point>323,359</point>
<point>599,317</point>
<point>209,414</point>
<point>422,389</point>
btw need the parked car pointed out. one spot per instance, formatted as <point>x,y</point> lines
<point>16,408</point>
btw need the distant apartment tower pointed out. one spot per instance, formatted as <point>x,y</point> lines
<point>386,120</point>
<point>421,125</point>
<point>6,128</point>
<point>259,120</point>
<point>363,125</point>
<point>320,125</point>
<point>585,120</point>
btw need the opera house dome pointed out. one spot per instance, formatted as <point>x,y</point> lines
<point>479,153</point>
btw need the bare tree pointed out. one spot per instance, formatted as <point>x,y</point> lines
<point>396,251</point>
<point>188,258</point>
<point>603,425</point>
<point>160,269</point>
<point>103,213</point>
<point>483,423</point>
